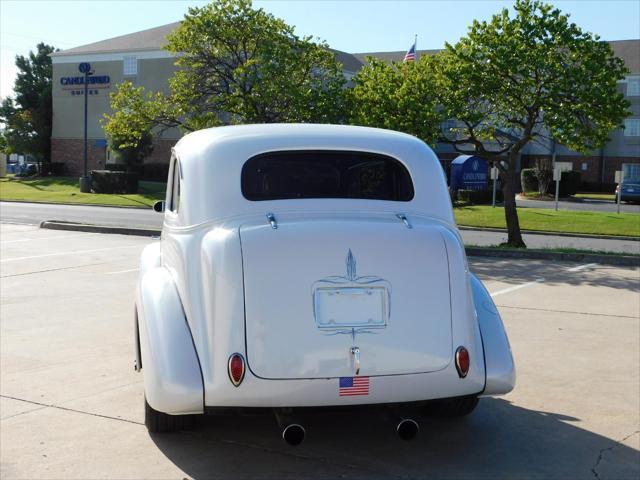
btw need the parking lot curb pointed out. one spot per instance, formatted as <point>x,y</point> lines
<point>73,204</point>
<point>618,260</point>
<point>83,227</point>
<point>553,234</point>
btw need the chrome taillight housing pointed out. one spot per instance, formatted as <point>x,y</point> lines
<point>462,361</point>
<point>236,369</point>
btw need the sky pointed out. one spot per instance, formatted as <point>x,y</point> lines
<point>352,26</point>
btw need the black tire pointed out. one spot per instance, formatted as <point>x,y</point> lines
<point>453,407</point>
<point>159,422</point>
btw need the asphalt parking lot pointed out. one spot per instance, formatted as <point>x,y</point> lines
<point>71,405</point>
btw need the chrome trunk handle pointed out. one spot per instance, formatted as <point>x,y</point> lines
<point>355,351</point>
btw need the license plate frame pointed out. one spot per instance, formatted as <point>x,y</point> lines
<point>351,307</point>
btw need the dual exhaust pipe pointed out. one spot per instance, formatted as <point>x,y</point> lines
<point>294,433</point>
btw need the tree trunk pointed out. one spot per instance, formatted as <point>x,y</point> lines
<point>510,212</point>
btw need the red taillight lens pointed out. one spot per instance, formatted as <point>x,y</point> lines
<point>236,369</point>
<point>462,361</point>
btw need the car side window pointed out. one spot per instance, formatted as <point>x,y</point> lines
<point>174,203</point>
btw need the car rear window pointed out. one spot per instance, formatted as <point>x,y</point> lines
<point>325,174</point>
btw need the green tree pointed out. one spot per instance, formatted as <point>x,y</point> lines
<point>511,81</point>
<point>397,96</point>
<point>236,64</point>
<point>27,118</point>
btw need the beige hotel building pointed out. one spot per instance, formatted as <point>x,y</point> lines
<point>140,58</point>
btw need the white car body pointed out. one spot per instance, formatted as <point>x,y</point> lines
<point>294,285</point>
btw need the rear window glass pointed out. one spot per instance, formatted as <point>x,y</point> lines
<point>325,174</point>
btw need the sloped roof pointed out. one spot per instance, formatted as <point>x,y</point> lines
<point>156,39</point>
<point>151,39</point>
<point>391,56</point>
<point>628,50</point>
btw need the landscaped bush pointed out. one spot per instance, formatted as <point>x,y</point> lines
<point>116,167</point>
<point>54,169</point>
<point>528,180</point>
<point>569,183</point>
<point>154,171</point>
<point>105,181</point>
<point>597,187</point>
<point>479,197</point>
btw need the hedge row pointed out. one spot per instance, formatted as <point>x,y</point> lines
<point>479,197</point>
<point>153,171</point>
<point>106,181</point>
<point>569,182</point>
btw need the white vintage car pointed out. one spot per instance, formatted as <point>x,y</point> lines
<point>311,266</point>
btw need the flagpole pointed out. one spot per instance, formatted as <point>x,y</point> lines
<point>415,42</point>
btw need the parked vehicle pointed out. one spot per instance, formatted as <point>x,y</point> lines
<point>305,266</point>
<point>629,189</point>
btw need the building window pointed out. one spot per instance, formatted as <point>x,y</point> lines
<point>632,127</point>
<point>130,65</point>
<point>633,86</point>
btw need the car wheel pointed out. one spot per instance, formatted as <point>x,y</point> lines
<point>159,422</point>
<point>454,407</point>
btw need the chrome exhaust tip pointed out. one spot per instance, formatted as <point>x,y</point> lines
<point>293,434</point>
<point>407,429</point>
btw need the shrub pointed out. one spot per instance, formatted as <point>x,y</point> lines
<point>131,152</point>
<point>55,169</point>
<point>597,187</point>
<point>105,181</point>
<point>529,180</point>
<point>115,167</point>
<point>155,171</point>
<point>569,183</point>
<point>479,197</point>
<point>544,175</point>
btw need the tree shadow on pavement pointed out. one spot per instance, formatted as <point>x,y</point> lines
<point>515,271</point>
<point>499,440</point>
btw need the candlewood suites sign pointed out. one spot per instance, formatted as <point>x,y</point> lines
<point>94,83</point>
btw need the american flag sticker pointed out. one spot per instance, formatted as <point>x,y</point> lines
<point>351,386</point>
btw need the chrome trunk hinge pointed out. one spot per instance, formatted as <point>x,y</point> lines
<point>272,220</point>
<point>404,219</point>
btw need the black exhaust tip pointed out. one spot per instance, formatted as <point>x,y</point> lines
<point>293,434</point>
<point>407,429</point>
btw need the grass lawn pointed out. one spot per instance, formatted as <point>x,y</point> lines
<point>599,223</point>
<point>596,196</point>
<point>67,190</point>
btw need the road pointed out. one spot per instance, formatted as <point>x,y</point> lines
<point>34,213</point>
<point>585,205</point>
<point>71,405</point>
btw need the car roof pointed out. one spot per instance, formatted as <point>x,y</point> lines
<point>211,161</point>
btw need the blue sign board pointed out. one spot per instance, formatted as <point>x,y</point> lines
<point>469,172</point>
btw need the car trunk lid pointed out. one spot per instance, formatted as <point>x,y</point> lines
<point>317,289</point>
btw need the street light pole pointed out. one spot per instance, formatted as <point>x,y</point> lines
<point>85,182</point>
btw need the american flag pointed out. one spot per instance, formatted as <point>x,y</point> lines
<point>410,56</point>
<point>350,386</point>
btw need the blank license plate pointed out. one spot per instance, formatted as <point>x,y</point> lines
<point>351,307</point>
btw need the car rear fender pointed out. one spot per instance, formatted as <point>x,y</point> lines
<point>172,374</point>
<point>499,365</point>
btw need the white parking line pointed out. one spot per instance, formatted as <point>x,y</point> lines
<point>4,242</point>
<point>582,267</point>
<point>75,252</point>
<point>122,271</point>
<point>517,287</point>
